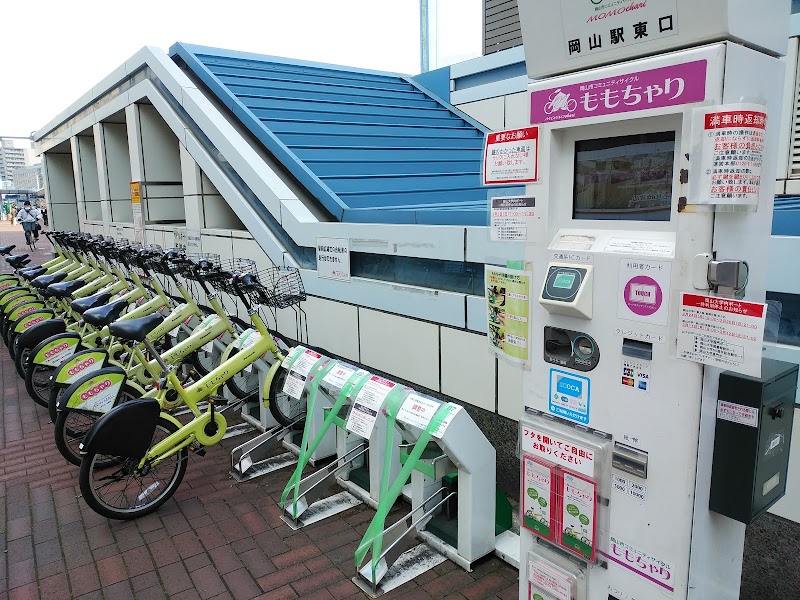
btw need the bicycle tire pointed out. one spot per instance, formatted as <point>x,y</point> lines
<point>203,362</point>
<point>283,407</point>
<point>242,384</point>
<point>52,401</point>
<point>37,382</point>
<point>71,427</point>
<point>110,496</point>
<point>20,358</point>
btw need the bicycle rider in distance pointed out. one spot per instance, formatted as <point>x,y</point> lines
<point>28,217</point>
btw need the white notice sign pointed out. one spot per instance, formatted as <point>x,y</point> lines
<point>338,376</point>
<point>641,247</point>
<point>511,157</point>
<point>727,154</point>
<point>333,258</point>
<point>192,241</point>
<point>722,333</point>
<point>453,410</point>
<point>367,404</point>
<point>295,382</point>
<point>737,413</point>
<point>512,217</point>
<point>304,363</point>
<point>417,411</point>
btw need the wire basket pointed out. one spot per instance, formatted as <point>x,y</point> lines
<point>283,286</point>
<point>185,268</point>
<point>221,278</point>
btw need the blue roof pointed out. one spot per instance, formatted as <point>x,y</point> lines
<point>786,216</point>
<point>371,147</point>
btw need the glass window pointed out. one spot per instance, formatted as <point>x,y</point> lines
<point>627,178</point>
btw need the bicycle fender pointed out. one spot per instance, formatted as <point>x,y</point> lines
<point>37,327</point>
<point>125,431</point>
<point>96,392</point>
<point>16,299</point>
<point>9,294</point>
<point>268,381</point>
<point>56,349</point>
<point>79,365</point>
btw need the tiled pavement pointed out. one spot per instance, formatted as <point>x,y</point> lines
<point>214,539</point>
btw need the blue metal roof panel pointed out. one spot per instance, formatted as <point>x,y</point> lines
<point>363,143</point>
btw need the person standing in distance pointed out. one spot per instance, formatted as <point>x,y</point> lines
<point>28,217</point>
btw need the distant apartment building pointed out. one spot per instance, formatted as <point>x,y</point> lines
<point>28,178</point>
<point>11,158</point>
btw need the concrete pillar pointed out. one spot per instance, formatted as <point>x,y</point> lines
<point>59,189</point>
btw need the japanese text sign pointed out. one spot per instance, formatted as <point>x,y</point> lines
<point>333,258</point>
<point>508,309</point>
<point>727,154</point>
<point>557,450</point>
<point>722,333</point>
<point>511,157</point>
<point>655,570</point>
<point>656,88</point>
<point>602,25</point>
<point>511,217</point>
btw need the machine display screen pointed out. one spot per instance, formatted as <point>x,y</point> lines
<point>628,178</point>
<point>564,281</point>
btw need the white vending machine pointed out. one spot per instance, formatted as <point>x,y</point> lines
<point>657,147</point>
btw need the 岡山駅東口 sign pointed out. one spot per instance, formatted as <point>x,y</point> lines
<point>511,157</point>
<point>683,83</point>
<point>333,258</point>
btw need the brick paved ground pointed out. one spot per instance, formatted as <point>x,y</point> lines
<point>215,539</point>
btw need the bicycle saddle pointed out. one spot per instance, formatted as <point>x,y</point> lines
<point>65,288</point>
<point>81,305</point>
<point>7,249</point>
<point>16,260</point>
<point>43,281</point>
<point>136,329</point>
<point>103,315</point>
<point>32,273</point>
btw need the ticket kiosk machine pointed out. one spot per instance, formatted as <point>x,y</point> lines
<point>655,186</point>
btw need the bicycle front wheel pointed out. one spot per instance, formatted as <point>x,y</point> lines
<point>116,488</point>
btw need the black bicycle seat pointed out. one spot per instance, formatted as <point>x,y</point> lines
<point>16,260</point>
<point>81,305</point>
<point>44,280</point>
<point>65,288</point>
<point>103,315</point>
<point>7,249</point>
<point>136,329</point>
<point>32,273</point>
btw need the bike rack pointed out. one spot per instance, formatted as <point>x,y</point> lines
<point>400,537</point>
<point>255,457</point>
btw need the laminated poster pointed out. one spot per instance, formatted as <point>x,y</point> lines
<point>578,514</point>
<point>538,497</point>
<point>508,306</point>
<point>367,404</point>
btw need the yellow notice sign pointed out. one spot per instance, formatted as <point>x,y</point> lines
<point>136,192</point>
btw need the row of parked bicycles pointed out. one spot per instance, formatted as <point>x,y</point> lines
<point>111,338</point>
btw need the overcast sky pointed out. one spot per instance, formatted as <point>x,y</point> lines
<point>55,51</point>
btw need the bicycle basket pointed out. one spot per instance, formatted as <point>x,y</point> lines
<point>221,278</point>
<point>185,268</point>
<point>283,285</point>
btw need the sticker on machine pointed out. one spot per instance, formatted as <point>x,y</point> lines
<point>452,411</point>
<point>543,444</point>
<point>578,497</point>
<point>655,570</point>
<point>635,374</point>
<point>294,385</point>
<point>569,396</point>
<point>305,362</point>
<point>722,332</point>
<point>643,293</point>
<point>417,410</point>
<point>511,157</point>
<point>338,376</point>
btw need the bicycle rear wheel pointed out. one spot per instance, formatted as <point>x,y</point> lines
<point>72,425</point>
<point>114,487</point>
<point>283,407</point>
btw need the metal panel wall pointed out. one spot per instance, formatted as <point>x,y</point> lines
<point>501,28</point>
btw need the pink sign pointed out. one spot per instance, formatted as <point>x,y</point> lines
<point>656,88</point>
<point>643,295</point>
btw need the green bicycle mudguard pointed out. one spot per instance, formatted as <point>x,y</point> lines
<point>79,365</point>
<point>40,331</point>
<point>17,300</point>
<point>24,308</point>
<point>56,349</point>
<point>6,284</point>
<point>32,319</point>
<point>10,293</point>
<point>96,392</point>
<point>125,431</point>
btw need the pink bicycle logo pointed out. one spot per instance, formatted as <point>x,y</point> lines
<point>558,101</point>
<point>33,322</point>
<point>103,385</point>
<point>81,366</point>
<point>56,350</point>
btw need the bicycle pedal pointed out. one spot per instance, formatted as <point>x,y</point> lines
<point>199,450</point>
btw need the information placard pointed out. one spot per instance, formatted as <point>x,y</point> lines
<point>511,157</point>
<point>578,513</point>
<point>508,305</point>
<point>538,496</point>
<point>722,332</point>
<point>367,404</point>
<point>512,218</point>
<point>333,258</point>
<point>727,154</point>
